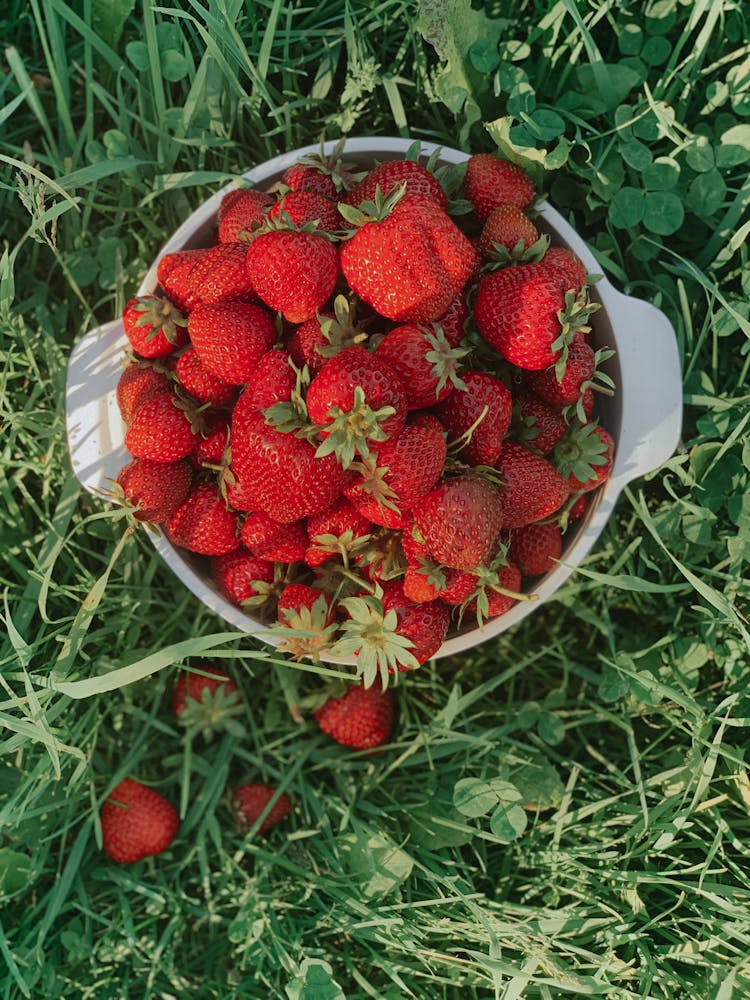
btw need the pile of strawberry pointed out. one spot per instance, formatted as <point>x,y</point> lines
<point>369,407</point>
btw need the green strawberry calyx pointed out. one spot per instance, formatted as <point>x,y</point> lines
<point>370,634</point>
<point>372,211</point>
<point>305,633</point>
<point>214,711</point>
<point>520,254</point>
<point>573,319</point>
<point>345,545</point>
<point>342,329</point>
<point>581,452</point>
<point>373,482</point>
<point>444,359</point>
<point>160,315</point>
<point>349,431</point>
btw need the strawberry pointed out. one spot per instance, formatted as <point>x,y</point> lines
<point>137,382</point>
<point>231,338</point>
<point>536,424</point>
<point>250,802</point>
<point>579,370</point>
<point>532,490</point>
<point>202,384</point>
<point>460,521</point>
<point>308,206</point>
<point>565,268</point>
<point>335,532</point>
<point>521,312</point>
<point>267,539</point>
<point>212,443</point>
<point>400,473</point>
<point>137,822</point>
<point>453,320</point>
<point>356,398</point>
<point>392,173</point>
<point>153,326</point>
<point>426,625</point>
<point>239,210</point>
<point>310,174</point>
<point>478,417</point>
<point>585,457</point>
<point>203,524</point>
<point>294,272</point>
<point>160,430</point>
<point>237,572</point>
<point>205,276</point>
<point>279,472</point>
<point>272,381</point>
<point>507,234</point>
<point>427,364</point>
<point>534,547</point>
<point>407,259</point>
<point>195,686</point>
<point>325,335</point>
<point>361,718</point>
<point>154,489</point>
<point>490,181</point>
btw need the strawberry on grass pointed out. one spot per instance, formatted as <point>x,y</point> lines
<point>357,716</point>
<point>137,822</point>
<point>251,801</point>
<point>205,698</point>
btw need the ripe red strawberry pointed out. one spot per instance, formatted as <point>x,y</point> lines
<point>486,406</point>
<point>354,399</point>
<point>203,524</point>
<point>533,488</point>
<point>202,384</point>
<point>272,381</point>
<point>304,207</point>
<point>192,685</point>
<point>334,532</point>
<point>137,382</point>
<point>294,272</point>
<point>490,181</point>
<point>565,268</point>
<point>231,338</point>
<point>506,227</point>
<point>307,175</point>
<point>388,175</point>
<point>155,489</point>
<point>452,322</point>
<point>521,312</point>
<point>534,547</point>
<point>407,260</point>
<point>426,625</point>
<point>579,370</point>
<point>361,718</point>
<point>153,326</point>
<point>536,424</point>
<point>238,210</point>
<point>460,521</point>
<point>585,457</point>
<point>137,822</point>
<point>267,539</point>
<point>236,573</point>
<point>251,801</point>
<point>279,472</point>
<point>401,472</point>
<point>205,276</point>
<point>426,362</point>
<point>213,440</point>
<point>160,430</point>
<point>326,334</point>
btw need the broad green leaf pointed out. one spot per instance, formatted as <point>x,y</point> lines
<point>174,65</point>
<point>108,18</point>
<point>630,40</point>
<point>508,820</point>
<point>636,154</point>
<point>627,207</point>
<point>551,728</point>
<point>734,146</point>
<point>663,212</point>
<point>661,175</point>
<point>656,50</point>
<point>314,981</point>
<point>484,55</point>
<point>700,154</point>
<point>15,871</point>
<point>377,863</point>
<point>473,797</point>
<point>621,80</point>
<point>539,783</point>
<point>137,53</point>
<point>707,193</point>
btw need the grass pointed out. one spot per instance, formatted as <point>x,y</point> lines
<point>617,717</point>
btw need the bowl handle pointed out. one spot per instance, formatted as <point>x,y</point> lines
<point>94,426</point>
<point>651,387</point>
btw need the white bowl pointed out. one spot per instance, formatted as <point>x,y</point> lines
<point>644,416</point>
